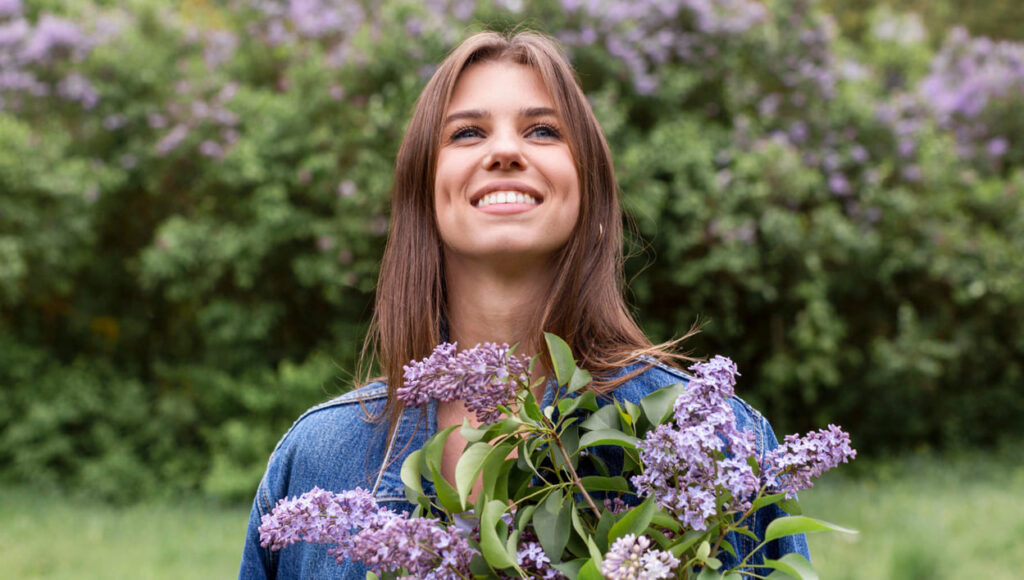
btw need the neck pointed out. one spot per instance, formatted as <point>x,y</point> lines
<point>494,303</point>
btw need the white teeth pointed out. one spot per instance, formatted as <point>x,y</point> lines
<point>498,197</point>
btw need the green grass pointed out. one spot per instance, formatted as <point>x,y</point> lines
<point>46,536</point>
<point>922,519</point>
<point>918,518</point>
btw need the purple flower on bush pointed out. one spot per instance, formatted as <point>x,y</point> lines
<point>688,461</point>
<point>367,533</point>
<point>10,8</point>
<point>54,35</point>
<point>632,557</point>
<point>485,376</point>
<point>792,465</point>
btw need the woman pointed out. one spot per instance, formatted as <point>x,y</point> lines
<point>505,224</point>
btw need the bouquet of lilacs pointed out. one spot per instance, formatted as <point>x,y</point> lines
<point>582,488</point>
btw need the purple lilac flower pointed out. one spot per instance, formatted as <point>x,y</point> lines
<point>485,376</point>
<point>632,557</point>
<point>531,558</point>
<point>793,464</point>
<point>320,516</point>
<point>997,147</point>
<point>53,35</point>
<point>422,546</point>
<point>10,8</point>
<point>682,465</point>
<point>361,530</point>
<point>172,139</point>
<point>77,88</point>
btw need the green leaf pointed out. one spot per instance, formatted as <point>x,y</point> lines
<point>605,418</point>
<point>496,469</point>
<point>598,483</point>
<point>432,451</point>
<point>689,539</point>
<point>590,571</point>
<point>469,466</point>
<point>794,565</point>
<point>411,476</point>
<point>561,358</point>
<point>768,500</point>
<point>658,405</point>
<point>604,525</point>
<point>491,545</point>
<point>791,507</point>
<point>587,400</point>
<point>666,521</point>
<point>531,410</point>
<point>787,526</point>
<point>580,378</point>
<point>551,523</point>
<point>570,569</point>
<point>704,550</point>
<point>635,521</point>
<point>371,576</point>
<point>608,437</point>
<point>708,574</point>
<point>472,434</point>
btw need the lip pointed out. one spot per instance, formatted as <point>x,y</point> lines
<point>506,186</point>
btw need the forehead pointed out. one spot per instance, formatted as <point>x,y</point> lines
<point>499,85</point>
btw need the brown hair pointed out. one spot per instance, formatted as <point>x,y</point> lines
<point>585,304</point>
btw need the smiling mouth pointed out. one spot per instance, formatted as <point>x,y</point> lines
<point>506,197</point>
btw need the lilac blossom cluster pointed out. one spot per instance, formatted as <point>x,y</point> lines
<point>26,48</point>
<point>362,531</point>
<point>647,34</point>
<point>690,461</point>
<point>632,558</point>
<point>485,376</point>
<point>969,78</point>
<point>333,24</point>
<point>791,466</point>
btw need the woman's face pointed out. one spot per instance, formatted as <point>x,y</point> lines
<point>506,184</point>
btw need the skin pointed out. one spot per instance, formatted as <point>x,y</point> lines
<point>502,132</point>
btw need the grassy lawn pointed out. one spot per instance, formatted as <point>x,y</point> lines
<point>918,518</point>
<point>45,536</point>
<point>923,519</point>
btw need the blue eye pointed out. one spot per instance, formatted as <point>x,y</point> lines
<point>545,132</point>
<point>465,133</point>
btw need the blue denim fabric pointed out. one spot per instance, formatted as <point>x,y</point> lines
<point>335,447</point>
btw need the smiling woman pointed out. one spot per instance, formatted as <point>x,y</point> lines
<point>506,182</point>
<point>505,225</point>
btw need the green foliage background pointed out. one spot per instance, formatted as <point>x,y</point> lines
<point>166,312</point>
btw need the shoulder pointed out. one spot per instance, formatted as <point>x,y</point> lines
<point>347,415</point>
<point>333,445</point>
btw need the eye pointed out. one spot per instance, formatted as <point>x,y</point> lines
<point>467,132</point>
<point>544,132</point>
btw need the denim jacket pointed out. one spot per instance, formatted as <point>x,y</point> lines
<point>335,447</point>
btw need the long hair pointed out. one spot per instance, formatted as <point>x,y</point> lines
<point>584,304</point>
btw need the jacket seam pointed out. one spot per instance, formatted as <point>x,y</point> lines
<point>371,392</point>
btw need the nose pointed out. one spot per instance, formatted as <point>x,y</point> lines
<point>505,153</point>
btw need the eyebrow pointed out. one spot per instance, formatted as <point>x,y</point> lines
<point>529,112</point>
